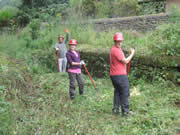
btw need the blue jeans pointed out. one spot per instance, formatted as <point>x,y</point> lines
<point>121,93</point>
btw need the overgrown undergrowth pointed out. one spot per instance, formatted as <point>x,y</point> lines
<point>46,107</point>
<point>34,98</point>
<point>49,110</point>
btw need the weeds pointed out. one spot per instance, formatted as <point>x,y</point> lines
<point>41,103</point>
<point>50,110</point>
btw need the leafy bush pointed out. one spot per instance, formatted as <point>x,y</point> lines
<point>35,27</point>
<point>166,40</point>
<point>42,3</point>
<point>124,8</point>
<point>11,3</point>
<point>6,14</point>
<point>152,7</point>
<point>174,14</point>
<point>106,8</point>
<point>22,18</point>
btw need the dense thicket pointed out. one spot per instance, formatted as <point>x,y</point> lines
<point>46,9</point>
<point>41,3</point>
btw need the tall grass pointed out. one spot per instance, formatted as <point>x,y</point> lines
<point>6,115</point>
<point>47,109</point>
<point>40,54</point>
<point>50,111</point>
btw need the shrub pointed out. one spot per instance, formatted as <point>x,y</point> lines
<point>152,7</point>
<point>174,14</point>
<point>35,27</point>
<point>106,8</point>
<point>166,40</point>
<point>22,18</point>
<point>6,14</point>
<point>124,8</point>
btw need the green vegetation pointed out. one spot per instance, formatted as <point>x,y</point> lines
<point>152,7</point>
<point>48,10</point>
<point>34,97</point>
<point>106,8</point>
<point>41,104</point>
<point>45,108</point>
<point>6,14</point>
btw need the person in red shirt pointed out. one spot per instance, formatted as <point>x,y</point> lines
<point>118,74</point>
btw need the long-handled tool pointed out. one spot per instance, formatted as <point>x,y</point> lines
<point>89,76</point>
<point>128,67</point>
<point>58,59</point>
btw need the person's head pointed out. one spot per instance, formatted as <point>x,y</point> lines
<point>72,44</point>
<point>60,38</point>
<point>118,38</point>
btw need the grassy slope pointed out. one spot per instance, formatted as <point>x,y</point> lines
<point>50,111</point>
<point>47,108</point>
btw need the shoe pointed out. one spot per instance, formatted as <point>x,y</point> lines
<point>115,111</point>
<point>127,114</point>
<point>72,97</point>
<point>81,92</point>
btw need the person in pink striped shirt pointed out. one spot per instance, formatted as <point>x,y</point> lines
<point>74,70</point>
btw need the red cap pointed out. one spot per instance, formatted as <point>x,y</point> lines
<point>118,37</point>
<point>72,42</point>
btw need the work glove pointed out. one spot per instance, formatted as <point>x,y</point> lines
<point>82,62</point>
<point>132,51</point>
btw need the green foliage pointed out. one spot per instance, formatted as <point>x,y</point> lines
<point>13,75</point>
<point>89,7</point>
<point>6,119</point>
<point>152,7</point>
<point>42,3</point>
<point>10,45</point>
<point>6,108</point>
<point>103,9</point>
<point>41,103</point>
<point>11,3</point>
<point>6,14</point>
<point>169,43</point>
<point>174,14</point>
<point>22,18</point>
<point>106,8</point>
<point>50,111</point>
<point>45,14</point>
<point>124,8</point>
<point>35,27</point>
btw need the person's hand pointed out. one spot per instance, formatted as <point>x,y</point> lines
<point>67,31</point>
<point>132,51</point>
<point>57,49</point>
<point>82,62</point>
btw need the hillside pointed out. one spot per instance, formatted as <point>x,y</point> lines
<point>45,108</point>
<point>34,96</point>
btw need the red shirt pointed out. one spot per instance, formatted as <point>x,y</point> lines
<point>117,67</point>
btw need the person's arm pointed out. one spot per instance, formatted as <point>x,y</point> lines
<point>126,60</point>
<point>56,47</point>
<point>76,63</point>
<point>67,37</point>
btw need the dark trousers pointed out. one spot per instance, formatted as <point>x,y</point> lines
<point>121,93</point>
<point>72,81</point>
